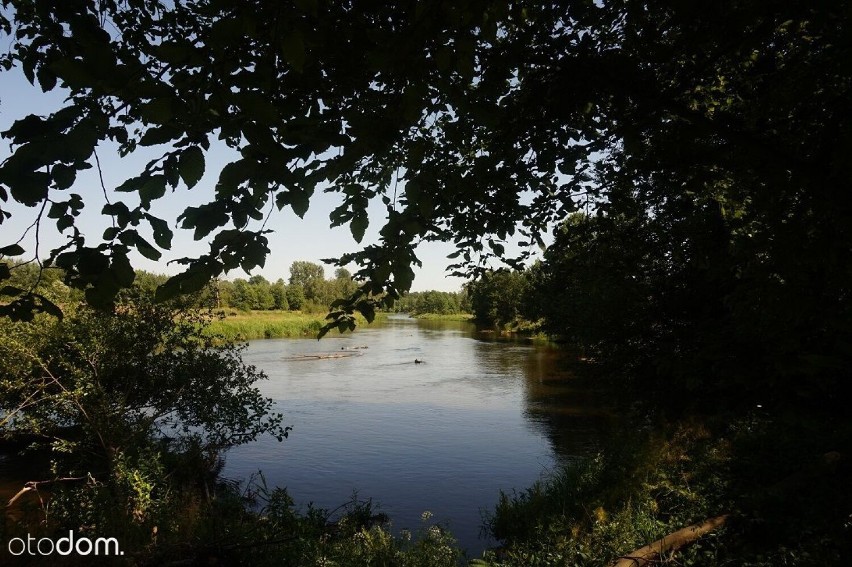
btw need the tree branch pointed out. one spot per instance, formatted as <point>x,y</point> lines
<point>672,542</point>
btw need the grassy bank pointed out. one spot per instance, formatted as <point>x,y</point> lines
<point>239,325</point>
<point>778,490</point>
<point>444,317</point>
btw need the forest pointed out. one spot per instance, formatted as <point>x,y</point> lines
<point>687,162</point>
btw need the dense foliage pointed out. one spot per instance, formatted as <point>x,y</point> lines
<point>465,119</point>
<point>780,493</point>
<point>307,291</point>
<point>502,298</point>
<point>134,408</point>
<point>101,383</point>
<point>434,302</point>
<point>693,158</point>
<point>313,294</point>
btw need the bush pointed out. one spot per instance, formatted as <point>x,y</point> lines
<point>136,408</point>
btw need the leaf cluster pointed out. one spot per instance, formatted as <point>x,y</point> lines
<point>113,383</point>
<point>470,122</point>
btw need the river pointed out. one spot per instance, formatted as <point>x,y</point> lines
<point>446,435</point>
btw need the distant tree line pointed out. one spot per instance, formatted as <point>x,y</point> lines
<point>501,298</point>
<point>432,301</point>
<point>306,290</point>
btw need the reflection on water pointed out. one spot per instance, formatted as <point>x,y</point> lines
<point>476,417</point>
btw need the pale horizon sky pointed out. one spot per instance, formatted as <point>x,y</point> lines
<point>293,239</point>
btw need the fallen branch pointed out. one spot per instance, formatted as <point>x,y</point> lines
<point>669,543</point>
<point>32,486</point>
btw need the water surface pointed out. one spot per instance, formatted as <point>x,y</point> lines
<point>445,435</point>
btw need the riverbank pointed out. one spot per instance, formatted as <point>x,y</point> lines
<point>466,317</point>
<point>248,325</point>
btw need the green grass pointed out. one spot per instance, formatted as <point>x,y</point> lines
<point>787,497</point>
<point>444,316</point>
<point>271,324</point>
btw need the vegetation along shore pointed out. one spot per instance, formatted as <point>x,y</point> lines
<point>663,186</point>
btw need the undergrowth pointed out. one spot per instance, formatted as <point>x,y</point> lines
<point>784,491</point>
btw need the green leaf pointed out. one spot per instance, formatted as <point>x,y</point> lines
<point>173,52</point>
<point>191,166</point>
<point>63,176</point>
<point>144,247</point>
<point>300,201</point>
<point>132,238</point>
<point>204,219</point>
<point>57,210</point>
<point>358,226</point>
<point>47,306</point>
<point>152,189</point>
<point>120,211</point>
<point>159,135</point>
<point>28,188</point>
<point>11,290</point>
<point>162,232</point>
<point>131,185</point>
<point>101,296</point>
<point>65,222</point>
<point>367,310</point>
<point>498,249</point>
<point>170,170</point>
<point>11,250</point>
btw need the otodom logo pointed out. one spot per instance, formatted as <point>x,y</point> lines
<point>64,546</point>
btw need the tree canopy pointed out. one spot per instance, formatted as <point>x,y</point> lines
<point>470,121</point>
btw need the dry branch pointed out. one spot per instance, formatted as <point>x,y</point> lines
<point>669,543</point>
<point>322,356</point>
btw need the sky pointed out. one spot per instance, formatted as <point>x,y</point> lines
<point>292,238</point>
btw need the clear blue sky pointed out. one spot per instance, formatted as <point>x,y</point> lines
<point>293,238</point>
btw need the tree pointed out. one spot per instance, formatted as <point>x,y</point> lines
<point>295,297</point>
<point>310,278</point>
<point>243,295</point>
<point>305,273</point>
<point>432,301</point>
<point>264,297</point>
<point>471,121</point>
<point>342,285</point>
<point>279,294</point>
<point>131,404</point>
<point>498,298</point>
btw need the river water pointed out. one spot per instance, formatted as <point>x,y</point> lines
<point>477,416</point>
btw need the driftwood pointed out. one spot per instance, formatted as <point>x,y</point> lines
<point>322,356</point>
<point>672,542</point>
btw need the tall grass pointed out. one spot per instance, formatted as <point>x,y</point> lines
<point>270,324</point>
<point>445,316</point>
